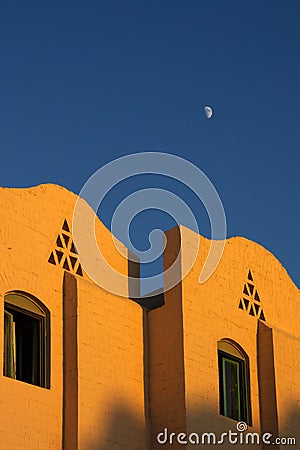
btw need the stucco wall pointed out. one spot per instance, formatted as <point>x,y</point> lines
<point>107,332</point>
<point>212,311</point>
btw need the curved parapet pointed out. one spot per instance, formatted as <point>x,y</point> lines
<point>65,368</point>
<point>249,282</point>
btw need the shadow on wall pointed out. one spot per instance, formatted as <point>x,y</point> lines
<point>122,431</point>
<point>125,432</point>
<point>293,422</point>
<point>206,429</point>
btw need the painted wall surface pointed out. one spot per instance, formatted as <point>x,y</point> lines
<point>120,373</point>
<point>96,337</point>
<point>213,311</point>
<point>110,378</point>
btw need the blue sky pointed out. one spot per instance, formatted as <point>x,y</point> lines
<point>83,83</point>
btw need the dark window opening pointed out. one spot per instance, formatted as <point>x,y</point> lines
<point>26,353</point>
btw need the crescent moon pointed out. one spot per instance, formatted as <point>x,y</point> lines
<point>208,112</point>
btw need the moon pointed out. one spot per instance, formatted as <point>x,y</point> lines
<point>208,112</point>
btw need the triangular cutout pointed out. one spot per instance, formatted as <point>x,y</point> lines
<point>59,242</point>
<point>51,259</point>
<point>73,249</point>
<point>251,288</point>
<point>246,303</point>
<point>66,239</point>
<point>245,291</point>
<point>79,271</point>
<point>66,265</point>
<point>251,311</point>
<point>66,226</point>
<point>252,304</point>
<point>257,308</point>
<point>73,260</point>
<point>256,296</point>
<point>59,255</point>
<point>262,316</point>
<point>66,253</point>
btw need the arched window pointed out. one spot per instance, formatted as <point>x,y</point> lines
<point>234,382</point>
<point>26,339</point>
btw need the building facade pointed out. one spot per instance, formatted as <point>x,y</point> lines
<point>87,369</point>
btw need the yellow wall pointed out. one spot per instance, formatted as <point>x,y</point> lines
<point>120,374</point>
<point>110,359</point>
<point>210,312</point>
<point>109,336</point>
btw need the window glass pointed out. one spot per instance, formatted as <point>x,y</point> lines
<point>233,383</point>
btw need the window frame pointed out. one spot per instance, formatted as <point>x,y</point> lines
<point>232,353</point>
<point>17,302</point>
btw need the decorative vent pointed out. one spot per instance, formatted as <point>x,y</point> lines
<point>251,300</point>
<point>65,253</point>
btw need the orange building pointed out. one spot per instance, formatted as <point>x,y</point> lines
<point>83,368</point>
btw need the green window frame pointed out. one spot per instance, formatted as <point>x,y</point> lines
<point>234,385</point>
